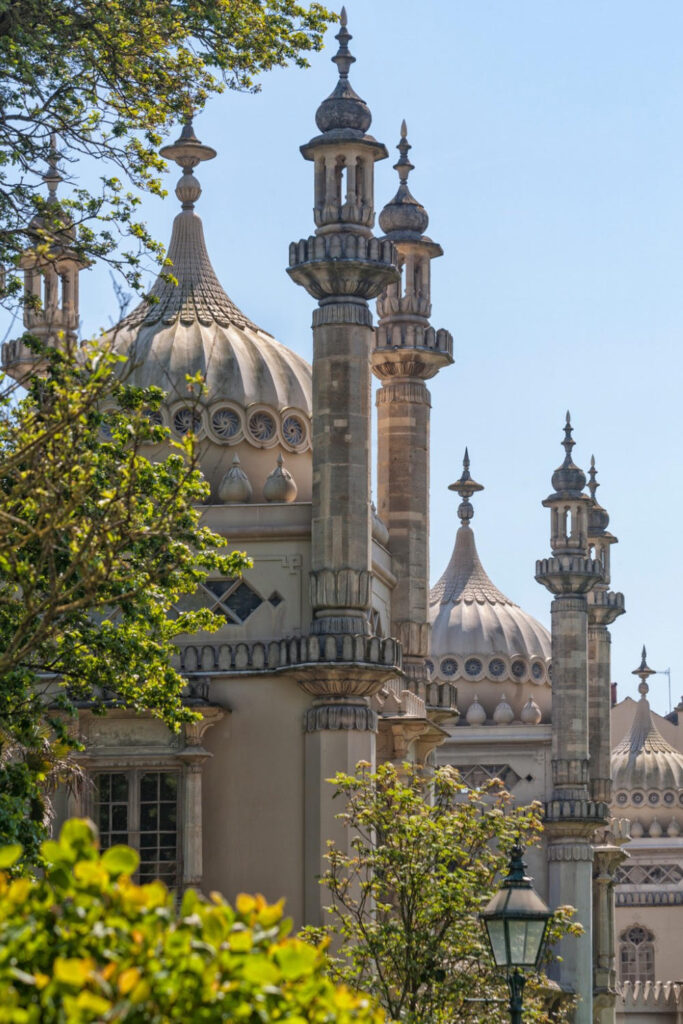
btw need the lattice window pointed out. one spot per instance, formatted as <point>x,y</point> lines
<point>234,599</point>
<point>477,775</point>
<point>637,954</point>
<point>652,874</point>
<point>141,809</point>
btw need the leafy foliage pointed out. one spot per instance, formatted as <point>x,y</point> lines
<point>425,855</point>
<point>97,544</point>
<point>110,77</point>
<point>86,944</point>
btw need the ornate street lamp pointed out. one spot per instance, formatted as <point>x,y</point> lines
<point>516,921</point>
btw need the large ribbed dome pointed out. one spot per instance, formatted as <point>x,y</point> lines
<point>644,760</point>
<point>257,393</point>
<point>478,632</point>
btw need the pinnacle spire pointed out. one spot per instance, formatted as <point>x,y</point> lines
<point>403,164</point>
<point>343,57</point>
<point>466,487</point>
<point>188,151</point>
<point>52,177</point>
<point>569,478</point>
<point>643,672</point>
<point>568,442</point>
<point>593,483</point>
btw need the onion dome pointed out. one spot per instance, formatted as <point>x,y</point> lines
<point>646,770</point>
<point>403,213</point>
<point>503,714</point>
<point>257,393</point>
<point>280,485</point>
<point>235,487</point>
<point>531,713</point>
<point>476,713</point>
<point>477,632</point>
<point>343,110</point>
<point>568,479</point>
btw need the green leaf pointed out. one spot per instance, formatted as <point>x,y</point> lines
<point>9,855</point>
<point>120,860</point>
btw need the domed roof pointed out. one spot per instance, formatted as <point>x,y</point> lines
<point>644,760</point>
<point>404,214</point>
<point>478,632</point>
<point>343,110</point>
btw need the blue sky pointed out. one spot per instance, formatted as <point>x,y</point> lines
<point>547,140</point>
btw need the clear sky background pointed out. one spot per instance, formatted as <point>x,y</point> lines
<point>547,139</point>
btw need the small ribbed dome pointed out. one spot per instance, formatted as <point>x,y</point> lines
<point>403,213</point>
<point>568,478</point>
<point>474,622</point>
<point>644,760</point>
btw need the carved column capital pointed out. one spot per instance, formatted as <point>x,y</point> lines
<point>342,715</point>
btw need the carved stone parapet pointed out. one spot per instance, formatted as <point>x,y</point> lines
<point>601,790</point>
<point>408,306</point>
<point>413,637</point>
<point>293,654</point>
<point>413,391</point>
<point>568,574</point>
<point>340,715</point>
<point>578,817</point>
<point>343,264</point>
<point>349,312</point>
<point>570,852</point>
<point>406,333</point>
<point>604,606</point>
<point>441,699</point>
<point>340,588</point>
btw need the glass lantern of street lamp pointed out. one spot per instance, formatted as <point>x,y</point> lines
<point>516,919</point>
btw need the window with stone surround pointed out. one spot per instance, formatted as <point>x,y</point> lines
<point>636,954</point>
<point>140,808</point>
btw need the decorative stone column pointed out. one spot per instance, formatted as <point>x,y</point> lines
<point>407,352</point>
<point>342,266</point>
<point>571,816</point>
<point>193,755</point>
<point>604,607</point>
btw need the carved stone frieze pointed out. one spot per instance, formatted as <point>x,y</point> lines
<point>340,588</point>
<point>413,637</point>
<point>342,313</point>
<point>604,607</point>
<point>570,852</point>
<point>340,715</point>
<point>341,264</point>
<point>404,391</point>
<point>568,574</point>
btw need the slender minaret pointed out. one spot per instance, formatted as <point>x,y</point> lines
<point>604,606</point>
<point>50,283</point>
<point>571,816</point>
<point>342,266</point>
<point>407,352</point>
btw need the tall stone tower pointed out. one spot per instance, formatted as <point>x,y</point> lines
<point>50,284</point>
<point>604,607</point>
<point>342,266</point>
<point>407,352</point>
<point>571,815</point>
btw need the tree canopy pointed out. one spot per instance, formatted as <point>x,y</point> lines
<point>426,853</point>
<point>100,536</point>
<point>85,944</point>
<point>109,77</point>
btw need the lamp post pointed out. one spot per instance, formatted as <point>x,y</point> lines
<point>516,921</point>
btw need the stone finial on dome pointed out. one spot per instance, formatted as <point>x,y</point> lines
<point>403,213</point>
<point>598,518</point>
<point>343,109</point>
<point>568,478</point>
<point>503,713</point>
<point>643,672</point>
<point>531,714</point>
<point>188,151</point>
<point>235,487</point>
<point>280,485</point>
<point>52,177</point>
<point>476,713</point>
<point>465,487</point>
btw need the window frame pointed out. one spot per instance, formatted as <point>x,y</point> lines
<point>641,955</point>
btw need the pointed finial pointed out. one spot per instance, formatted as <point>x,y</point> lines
<point>343,58</point>
<point>593,483</point>
<point>643,672</point>
<point>568,442</point>
<point>188,151</point>
<point>403,165</point>
<point>465,487</point>
<point>52,177</point>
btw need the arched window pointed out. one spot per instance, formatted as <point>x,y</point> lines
<point>637,954</point>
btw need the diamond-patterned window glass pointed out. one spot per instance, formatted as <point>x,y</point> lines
<point>111,808</point>
<point>234,599</point>
<point>275,599</point>
<point>159,827</point>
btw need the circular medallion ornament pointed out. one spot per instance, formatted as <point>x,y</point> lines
<point>622,798</point>
<point>637,798</point>
<point>653,798</point>
<point>496,667</point>
<point>185,420</point>
<point>668,798</point>
<point>262,426</point>
<point>225,423</point>
<point>449,666</point>
<point>473,666</point>
<point>293,431</point>
<point>537,670</point>
<point>518,669</point>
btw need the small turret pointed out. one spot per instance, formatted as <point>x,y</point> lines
<point>51,268</point>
